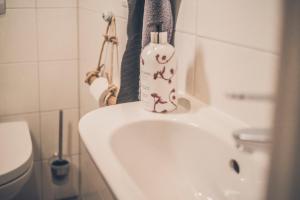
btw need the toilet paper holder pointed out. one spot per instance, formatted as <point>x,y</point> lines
<point>107,67</point>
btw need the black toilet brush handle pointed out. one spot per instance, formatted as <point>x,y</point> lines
<point>60,136</point>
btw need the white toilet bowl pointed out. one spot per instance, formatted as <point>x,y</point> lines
<point>16,159</point>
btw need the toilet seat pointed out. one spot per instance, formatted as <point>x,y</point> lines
<point>15,151</point>
<point>9,190</point>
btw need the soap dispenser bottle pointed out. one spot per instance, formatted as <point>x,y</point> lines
<point>158,75</point>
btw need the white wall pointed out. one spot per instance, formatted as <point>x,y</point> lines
<point>223,47</point>
<point>38,76</point>
<point>91,30</point>
<point>93,185</point>
<point>237,52</point>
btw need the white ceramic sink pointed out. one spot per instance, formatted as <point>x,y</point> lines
<point>186,155</point>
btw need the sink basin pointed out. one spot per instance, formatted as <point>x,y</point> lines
<point>188,154</point>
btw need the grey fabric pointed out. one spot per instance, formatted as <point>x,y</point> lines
<point>130,66</point>
<point>143,18</point>
<point>158,12</point>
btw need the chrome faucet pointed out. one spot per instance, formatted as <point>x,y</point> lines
<point>252,138</point>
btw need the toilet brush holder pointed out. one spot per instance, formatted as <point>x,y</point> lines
<point>60,171</point>
<point>60,167</point>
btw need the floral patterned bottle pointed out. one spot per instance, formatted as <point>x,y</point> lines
<point>158,75</point>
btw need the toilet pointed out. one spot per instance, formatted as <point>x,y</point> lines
<point>16,159</point>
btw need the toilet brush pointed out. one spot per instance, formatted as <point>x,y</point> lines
<point>60,167</point>
<point>60,136</point>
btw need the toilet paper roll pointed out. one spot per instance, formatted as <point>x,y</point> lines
<point>98,87</point>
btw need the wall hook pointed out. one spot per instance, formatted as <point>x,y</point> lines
<point>107,16</point>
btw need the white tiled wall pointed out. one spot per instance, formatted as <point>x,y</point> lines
<point>228,46</point>
<point>38,76</point>
<point>237,45</point>
<point>20,3</point>
<point>58,85</point>
<point>61,44</point>
<point>236,51</point>
<point>93,186</point>
<point>223,47</point>
<point>243,22</point>
<point>19,88</point>
<point>49,124</point>
<point>91,29</point>
<point>18,41</point>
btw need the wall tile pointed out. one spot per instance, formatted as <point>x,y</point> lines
<point>207,68</point>
<point>57,32</point>
<point>32,190</point>
<point>56,3</point>
<point>100,6</point>
<point>49,133</point>
<point>223,69</point>
<point>49,32</point>
<point>254,23</point>
<point>85,187</point>
<point>87,102</point>
<point>90,37</point>
<point>91,28</point>
<point>58,85</point>
<point>70,189</point>
<point>16,25</point>
<point>18,88</point>
<point>93,185</point>
<point>33,121</point>
<point>95,5</point>
<point>117,8</point>
<point>20,3</point>
<point>186,20</point>
<point>185,45</point>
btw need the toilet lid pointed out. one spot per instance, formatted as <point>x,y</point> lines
<point>15,150</point>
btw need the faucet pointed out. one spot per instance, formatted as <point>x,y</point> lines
<point>252,138</point>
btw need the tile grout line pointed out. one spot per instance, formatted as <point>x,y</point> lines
<point>35,112</point>
<point>238,45</point>
<point>39,111</point>
<point>39,102</point>
<point>229,43</point>
<point>79,100</point>
<point>99,12</point>
<point>59,60</point>
<point>39,7</point>
<point>21,8</point>
<point>38,61</point>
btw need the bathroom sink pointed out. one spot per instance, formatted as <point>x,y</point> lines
<point>188,154</point>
